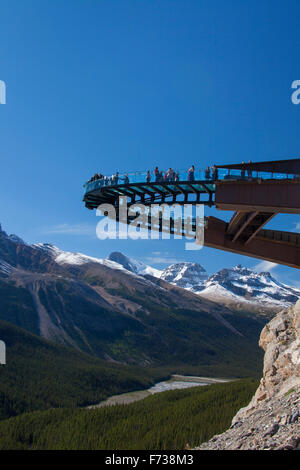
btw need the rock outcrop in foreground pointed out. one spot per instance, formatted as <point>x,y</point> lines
<point>272,418</point>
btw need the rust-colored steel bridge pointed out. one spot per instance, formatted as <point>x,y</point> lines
<point>256,192</point>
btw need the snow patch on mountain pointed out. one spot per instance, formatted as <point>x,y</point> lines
<point>67,257</point>
<point>5,268</point>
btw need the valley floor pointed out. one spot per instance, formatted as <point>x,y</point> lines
<point>175,383</point>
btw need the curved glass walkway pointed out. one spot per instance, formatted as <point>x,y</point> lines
<point>203,176</point>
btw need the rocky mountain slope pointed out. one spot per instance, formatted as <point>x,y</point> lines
<point>272,418</point>
<point>101,308</point>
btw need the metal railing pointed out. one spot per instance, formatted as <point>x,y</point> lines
<point>181,175</point>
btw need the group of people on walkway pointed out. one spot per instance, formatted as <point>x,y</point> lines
<point>210,174</point>
<point>160,177</point>
<point>113,180</point>
<point>171,175</point>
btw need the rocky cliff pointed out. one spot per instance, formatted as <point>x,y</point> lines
<point>272,418</point>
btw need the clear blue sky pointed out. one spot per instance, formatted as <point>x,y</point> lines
<point>101,85</point>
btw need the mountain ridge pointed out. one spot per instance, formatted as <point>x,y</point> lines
<point>236,287</point>
<point>100,308</point>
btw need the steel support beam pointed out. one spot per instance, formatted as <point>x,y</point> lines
<point>263,246</point>
<point>259,195</point>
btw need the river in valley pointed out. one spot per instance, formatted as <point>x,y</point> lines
<point>175,383</point>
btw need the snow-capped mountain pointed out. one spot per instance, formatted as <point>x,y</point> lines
<point>239,287</point>
<point>115,260</point>
<point>49,257</point>
<point>190,276</point>
<point>132,265</point>
<point>77,259</point>
<point>243,286</point>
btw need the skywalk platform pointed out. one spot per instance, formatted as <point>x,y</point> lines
<point>255,192</point>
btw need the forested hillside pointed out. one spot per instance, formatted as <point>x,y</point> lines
<point>167,420</point>
<point>41,375</point>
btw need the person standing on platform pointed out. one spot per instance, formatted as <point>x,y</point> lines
<point>207,173</point>
<point>249,171</point>
<point>215,173</point>
<point>191,174</point>
<point>156,173</point>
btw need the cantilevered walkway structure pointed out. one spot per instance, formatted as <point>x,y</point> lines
<point>256,192</point>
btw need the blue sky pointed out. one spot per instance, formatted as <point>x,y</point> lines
<point>100,85</point>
